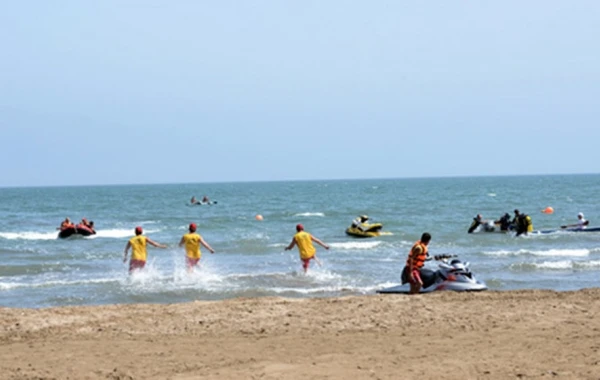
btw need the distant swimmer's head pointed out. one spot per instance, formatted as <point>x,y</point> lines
<point>580,215</point>
<point>299,227</point>
<point>426,237</point>
<point>516,212</point>
<point>91,223</point>
<point>192,227</point>
<point>139,230</point>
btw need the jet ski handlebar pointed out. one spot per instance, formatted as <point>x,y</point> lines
<point>443,257</point>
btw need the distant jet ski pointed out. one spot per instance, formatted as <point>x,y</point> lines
<point>451,274</point>
<point>201,203</point>
<point>572,229</point>
<point>367,230</point>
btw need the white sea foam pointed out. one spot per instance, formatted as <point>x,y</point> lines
<point>491,194</point>
<point>550,252</point>
<point>562,252</point>
<point>356,245</point>
<point>565,264</point>
<point>310,214</point>
<point>323,289</point>
<point>589,264</point>
<point>50,283</point>
<point>29,235</point>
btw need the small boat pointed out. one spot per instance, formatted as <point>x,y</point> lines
<point>368,230</point>
<point>79,229</point>
<point>572,229</point>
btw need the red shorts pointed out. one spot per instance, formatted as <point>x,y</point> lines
<point>417,277</point>
<point>136,264</point>
<point>305,262</point>
<point>191,262</point>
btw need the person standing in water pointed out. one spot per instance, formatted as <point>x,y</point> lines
<point>138,250</point>
<point>307,250</point>
<point>192,242</point>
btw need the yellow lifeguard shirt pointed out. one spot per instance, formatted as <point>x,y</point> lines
<point>192,245</point>
<point>305,245</point>
<point>138,248</point>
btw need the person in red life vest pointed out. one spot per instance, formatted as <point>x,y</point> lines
<point>138,250</point>
<point>65,224</point>
<point>192,242</point>
<point>416,260</point>
<point>307,250</point>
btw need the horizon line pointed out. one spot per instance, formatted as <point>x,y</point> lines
<point>288,180</point>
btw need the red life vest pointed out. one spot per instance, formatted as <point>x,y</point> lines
<point>419,260</point>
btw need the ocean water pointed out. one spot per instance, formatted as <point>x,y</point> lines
<point>39,270</point>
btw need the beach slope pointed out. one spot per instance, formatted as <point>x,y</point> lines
<point>529,334</point>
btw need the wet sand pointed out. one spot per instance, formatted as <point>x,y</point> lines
<point>488,335</point>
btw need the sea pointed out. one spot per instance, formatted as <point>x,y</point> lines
<point>38,270</point>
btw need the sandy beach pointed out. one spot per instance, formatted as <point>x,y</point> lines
<point>489,335</point>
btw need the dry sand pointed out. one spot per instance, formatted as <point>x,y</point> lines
<point>489,335</point>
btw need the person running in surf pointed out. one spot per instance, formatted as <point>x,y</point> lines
<point>138,250</point>
<point>307,250</point>
<point>192,242</point>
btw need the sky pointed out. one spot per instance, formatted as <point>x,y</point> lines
<point>127,92</point>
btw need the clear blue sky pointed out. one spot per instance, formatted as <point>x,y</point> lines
<point>116,92</point>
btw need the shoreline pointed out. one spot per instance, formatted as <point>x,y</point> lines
<point>491,335</point>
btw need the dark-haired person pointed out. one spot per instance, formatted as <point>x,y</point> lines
<point>358,222</point>
<point>477,221</point>
<point>416,260</point>
<point>503,222</point>
<point>192,241</point>
<point>138,250</point>
<point>307,250</point>
<point>522,223</point>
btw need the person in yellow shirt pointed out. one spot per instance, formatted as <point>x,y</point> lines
<point>138,250</point>
<point>192,242</point>
<point>305,246</point>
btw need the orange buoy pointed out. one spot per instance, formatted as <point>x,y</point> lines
<point>258,217</point>
<point>548,210</point>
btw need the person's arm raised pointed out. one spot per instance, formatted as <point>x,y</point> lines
<point>157,245</point>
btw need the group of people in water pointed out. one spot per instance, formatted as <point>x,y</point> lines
<point>192,241</point>
<point>204,200</point>
<point>521,223</point>
<point>84,224</point>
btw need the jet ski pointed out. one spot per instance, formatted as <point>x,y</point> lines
<point>572,229</point>
<point>367,230</point>
<point>452,274</point>
<point>79,229</point>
